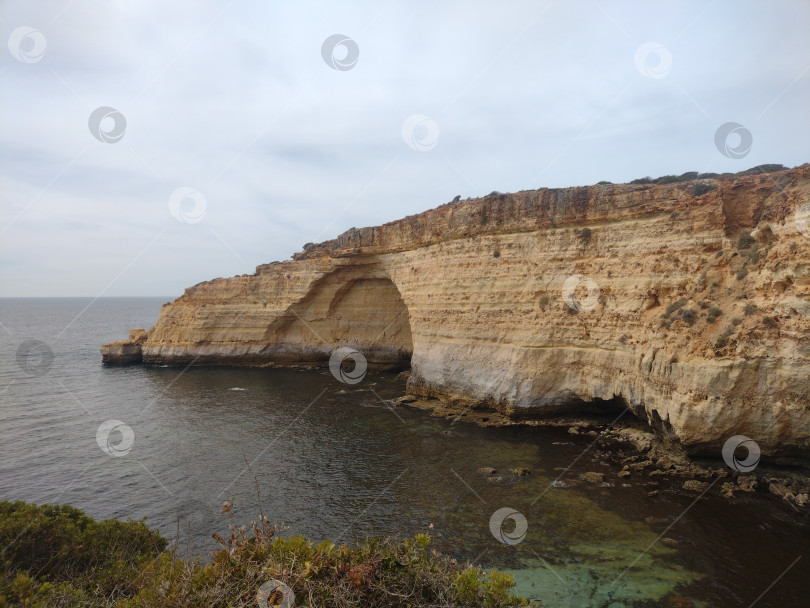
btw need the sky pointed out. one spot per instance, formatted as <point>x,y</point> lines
<point>147,146</point>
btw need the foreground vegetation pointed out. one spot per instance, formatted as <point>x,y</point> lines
<point>56,556</point>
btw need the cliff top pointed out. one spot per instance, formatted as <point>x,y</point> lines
<point>528,210</point>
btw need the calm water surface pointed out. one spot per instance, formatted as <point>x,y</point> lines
<point>331,461</point>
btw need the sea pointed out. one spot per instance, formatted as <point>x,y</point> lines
<point>330,459</point>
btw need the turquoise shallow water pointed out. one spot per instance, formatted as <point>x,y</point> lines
<point>334,461</point>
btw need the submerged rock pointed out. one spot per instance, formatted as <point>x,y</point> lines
<point>593,477</point>
<point>694,485</point>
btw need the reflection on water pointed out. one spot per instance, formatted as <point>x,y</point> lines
<point>335,461</point>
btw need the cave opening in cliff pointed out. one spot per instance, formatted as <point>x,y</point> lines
<point>356,307</point>
<point>608,409</point>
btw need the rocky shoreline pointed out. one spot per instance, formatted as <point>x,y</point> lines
<point>643,457</point>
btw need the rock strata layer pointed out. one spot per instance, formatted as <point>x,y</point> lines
<point>688,303</point>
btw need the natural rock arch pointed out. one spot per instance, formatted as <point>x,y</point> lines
<point>357,306</point>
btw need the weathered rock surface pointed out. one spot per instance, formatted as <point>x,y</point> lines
<point>702,332</point>
<point>125,352</point>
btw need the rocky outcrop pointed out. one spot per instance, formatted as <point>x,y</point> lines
<point>688,303</point>
<point>125,352</point>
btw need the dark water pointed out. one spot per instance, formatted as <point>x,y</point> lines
<point>330,460</point>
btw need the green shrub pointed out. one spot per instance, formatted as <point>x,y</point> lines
<point>713,313</point>
<point>722,340</point>
<point>676,305</point>
<point>750,309</point>
<point>766,168</point>
<point>741,274</point>
<point>61,543</point>
<point>59,557</point>
<point>769,321</point>
<point>701,188</point>
<point>745,240</point>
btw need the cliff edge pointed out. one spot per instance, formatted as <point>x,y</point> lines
<point>687,302</point>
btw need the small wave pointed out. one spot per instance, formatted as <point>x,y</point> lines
<point>237,388</point>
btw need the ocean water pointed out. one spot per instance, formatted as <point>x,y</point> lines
<point>333,460</point>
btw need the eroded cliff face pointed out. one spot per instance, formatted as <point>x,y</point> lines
<point>534,303</point>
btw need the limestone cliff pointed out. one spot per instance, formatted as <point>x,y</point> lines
<point>688,302</point>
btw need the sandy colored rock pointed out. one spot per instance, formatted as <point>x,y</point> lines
<point>694,485</point>
<point>122,352</point>
<point>487,470</point>
<point>592,477</point>
<point>507,302</point>
<point>138,335</point>
<point>747,483</point>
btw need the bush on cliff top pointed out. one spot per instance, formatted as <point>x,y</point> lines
<point>56,556</point>
<point>703,188</point>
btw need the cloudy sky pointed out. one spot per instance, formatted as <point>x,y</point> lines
<point>235,132</point>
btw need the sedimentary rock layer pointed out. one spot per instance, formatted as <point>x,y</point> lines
<point>652,297</point>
